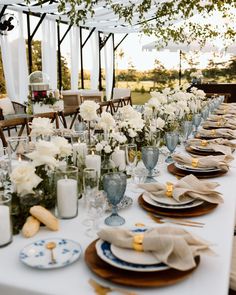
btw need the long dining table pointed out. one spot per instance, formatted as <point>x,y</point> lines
<point>210,277</point>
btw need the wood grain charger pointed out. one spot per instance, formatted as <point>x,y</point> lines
<point>190,150</point>
<point>200,210</point>
<point>179,172</point>
<point>132,278</point>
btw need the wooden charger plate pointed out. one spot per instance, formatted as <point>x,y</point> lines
<point>179,172</point>
<point>198,136</point>
<point>189,149</point>
<point>203,209</point>
<point>132,278</point>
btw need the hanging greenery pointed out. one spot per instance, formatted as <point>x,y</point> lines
<point>169,19</point>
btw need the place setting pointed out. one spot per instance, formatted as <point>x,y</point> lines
<point>216,133</point>
<point>141,256</point>
<point>213,147</point>
<point>202,167</point>
<point>188,197</point>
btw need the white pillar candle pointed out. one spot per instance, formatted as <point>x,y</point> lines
<point>93,162</point>
<point>118,157</point>
<point>5,225</point>
<point>67,197</point>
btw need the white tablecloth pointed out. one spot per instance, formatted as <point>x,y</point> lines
<point>211,277</point>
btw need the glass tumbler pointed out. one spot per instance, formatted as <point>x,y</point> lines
<point>5,219</point>
<point>18,147</point>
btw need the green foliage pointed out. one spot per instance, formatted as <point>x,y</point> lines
<point>162,22</point>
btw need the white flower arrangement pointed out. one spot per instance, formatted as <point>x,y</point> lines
<point>41,127</point>
<point>88,110</point>
<point>106,122</point>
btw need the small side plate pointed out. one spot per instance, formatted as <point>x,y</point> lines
<point>37,256</point>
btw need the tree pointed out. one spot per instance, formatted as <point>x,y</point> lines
<point>2,79</point>
<point>159,73</point>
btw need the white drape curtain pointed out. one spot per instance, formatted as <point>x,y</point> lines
<point>94,74</point>
<point>109,66</point>
<point>49,51</point>
<point>75,56</point>
<point>15,63</point>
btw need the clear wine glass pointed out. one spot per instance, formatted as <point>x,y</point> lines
<point>114,185</point>
<point>131,156</point>
<point>186,129</point>
<point>172,139</point>
<point>197,118</point>
<point>150,155</point>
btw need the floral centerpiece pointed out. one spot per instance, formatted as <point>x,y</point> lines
<point>33,182</point>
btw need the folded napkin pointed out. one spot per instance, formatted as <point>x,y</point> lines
<point>218,124</point>
<point>213,144</point>
<point>222,111</point>
<point>173,246</point>
<point>224,132</point>
<point>187,187</point>
<point>221,162</point>
<point>222,118</point>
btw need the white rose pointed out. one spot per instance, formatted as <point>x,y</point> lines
<point>132,133</point>
<point>107,121</point>
<point>65,149</point>
<point>88,110</point>
<point>99,147</point>
<point>107,149</point>
<point>160,123</point>
<point>25,179</point>
<point>41,126</point>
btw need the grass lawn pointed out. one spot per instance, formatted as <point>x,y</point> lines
<point>140,98</point>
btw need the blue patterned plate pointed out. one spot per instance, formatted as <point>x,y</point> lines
<point>104,251</point>
<point>38,256</point>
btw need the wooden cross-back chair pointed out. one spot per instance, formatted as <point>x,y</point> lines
<point>95,98</point>
<point>127,100</point>
<point>116,104</point>
<point>105,106</point>
<point>5,124</point>
<point>53,116</point>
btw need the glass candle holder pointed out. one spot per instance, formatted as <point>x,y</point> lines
<point>5,220</point>
<point>18,147</point>
<point>66,180</point>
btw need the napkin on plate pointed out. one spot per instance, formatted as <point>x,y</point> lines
<point>225,124</point>
<point>221,162</point>
<point>187,187</point>
<point>221,132</point>
<point>222,111</point>
<point>214,144</point>
<point>173,246</point>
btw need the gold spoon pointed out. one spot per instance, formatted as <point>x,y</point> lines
<point>50,246</point>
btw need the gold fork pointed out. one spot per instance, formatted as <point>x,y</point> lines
<point>104,290</point>
<point>163,220</point>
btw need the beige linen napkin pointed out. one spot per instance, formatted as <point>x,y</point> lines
<point>224,124</point>
<point>173,246</point>
<point>224,149</point>
<point>222,111</point>
<point>187,187</point>
<point>221,132</point>
<point>221,162</point>
<point>223,118</point>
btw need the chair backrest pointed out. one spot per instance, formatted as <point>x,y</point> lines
<point>52,115</point>
<point>127,100</point>
<point>105,106</point>
<point>71,101</point>
<point>121,92</point>
<point>116,104</point>
<point>91,92</point>
<point>6,106</point>
<point>94,98</point>
<point>4,124</point>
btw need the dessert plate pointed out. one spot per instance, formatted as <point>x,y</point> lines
<point>197,169</point>
<point>38,256</point>
<point>168,201</point>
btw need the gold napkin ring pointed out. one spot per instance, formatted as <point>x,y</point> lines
<point>138,242</point>
<point>204,142</point>
<point>213,132</point>
<point>195,162</point>
<point>169,189</point>
<point>219,123</point>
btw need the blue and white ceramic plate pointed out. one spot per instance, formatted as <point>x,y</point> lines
<point>192,204</point>
<point>104,251</point>
<point>38,256</point>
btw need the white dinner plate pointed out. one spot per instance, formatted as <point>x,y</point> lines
<point>38,256</point>
<point>169,201</point>
<point>194,203</point>
<point>103,250</point>
<point>197,169</point>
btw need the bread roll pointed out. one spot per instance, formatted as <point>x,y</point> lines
<point>31,227</point>
<point>45,216</point>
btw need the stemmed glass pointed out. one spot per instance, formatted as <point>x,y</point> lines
<point>150,155</point>
<point>5,164</point>
<point>186,129</point>
<point>172,139</point>
<point>131,156</point>
<point>114,185</point>
<point>205,113</point>
<point>197,118</point>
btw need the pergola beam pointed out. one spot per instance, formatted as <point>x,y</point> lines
<point>90,34</point>
<point>3,11</point>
